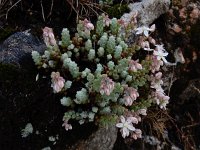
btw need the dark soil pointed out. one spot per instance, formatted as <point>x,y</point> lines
<point>25,101</point>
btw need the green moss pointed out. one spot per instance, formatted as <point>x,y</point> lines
<point>5,32</point>
<point>107,120</point>
<point>117,10</point>
<point>142,104</point>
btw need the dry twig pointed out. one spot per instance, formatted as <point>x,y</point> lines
<point>84,8</point>
<point>11,8</point>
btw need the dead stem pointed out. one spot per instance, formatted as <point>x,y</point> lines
<point>85,8</point>
<point>11,8</point>
<point>43,16</point>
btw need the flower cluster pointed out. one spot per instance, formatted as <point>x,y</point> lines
<point>57,82</point>
<point>134,66</point>
<point>130,95</point>
<point>126,124</point>
<point>48,37</point>
<point>158,95</point>
<point>107,86</point>
<point>100,81</point>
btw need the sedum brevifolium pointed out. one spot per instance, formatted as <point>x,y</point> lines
<point>96,73</point>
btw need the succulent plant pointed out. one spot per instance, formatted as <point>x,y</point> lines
<point>98,77</point>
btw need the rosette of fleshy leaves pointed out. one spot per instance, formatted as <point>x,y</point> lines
<point>98,78</point>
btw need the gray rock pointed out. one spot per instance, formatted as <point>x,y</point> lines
<point>102,139</point>
<point>18,47</point>
<point>148,10</point>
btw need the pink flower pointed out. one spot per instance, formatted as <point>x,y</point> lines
<point>88,25</point>
<point>106,20</point>
<point>130,95</point>
<point>66,125</point>
<point>135,115</point>
<point>126,126</point>
<point>57,82</point>
<point>158,75</point>
<point>132,120</point>
<point>48,36</point>
<point>107,86</point>
<point>160,99</point>
<point>155,65</point>
<point>152,40</point>
<point>137,134</point>
<point>156,81</point>
<point>134,65</point>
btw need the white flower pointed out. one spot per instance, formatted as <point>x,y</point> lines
<point>126,126</point>
<point>160,53</point>
<point>160,47</point>
<point>145,30</point>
